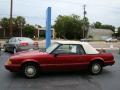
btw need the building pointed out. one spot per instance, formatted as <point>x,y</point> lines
<point>100,34</point>
<point>40,32</point>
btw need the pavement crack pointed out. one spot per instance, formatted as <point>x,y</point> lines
<point>96,84</point>
<point>92,82</point>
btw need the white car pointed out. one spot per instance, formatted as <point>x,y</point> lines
<point>16,44</point>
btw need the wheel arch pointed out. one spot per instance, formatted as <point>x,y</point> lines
<point>97,60</point>
<point>29,61</point>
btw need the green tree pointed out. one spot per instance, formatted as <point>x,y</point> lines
<point>118,31</point>
<point>97,24</point>
<point>69,27</point>
<point>28,31</point>
<point>5,24</point>
<point>85,26</point>
<point>108,27</point>
<point>20,23</point>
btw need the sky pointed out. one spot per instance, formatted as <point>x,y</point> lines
<point>34,11</point>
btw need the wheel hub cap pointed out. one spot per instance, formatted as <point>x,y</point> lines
<point>96,68</point>
<point>30,71</point>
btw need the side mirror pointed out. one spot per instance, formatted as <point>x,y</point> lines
<point>55,55</point>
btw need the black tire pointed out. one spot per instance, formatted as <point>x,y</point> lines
<point>95,68</point>
<point>5,50</point>
<point>30,70</point>
<point>14,50</point>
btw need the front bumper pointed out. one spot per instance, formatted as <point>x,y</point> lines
<point>12,67</point>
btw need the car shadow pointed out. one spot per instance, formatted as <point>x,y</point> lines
<point>82,74</point>
<point>53,74</point>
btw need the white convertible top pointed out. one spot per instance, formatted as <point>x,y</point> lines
<point>71,42</point>
<point>87,47</point>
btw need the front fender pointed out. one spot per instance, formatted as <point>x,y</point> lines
<point>29,60</point>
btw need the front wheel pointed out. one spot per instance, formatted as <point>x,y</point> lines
<point>14,50</point>
<point>95,68</point>
<point>5,50</point>
<point>30,71</point>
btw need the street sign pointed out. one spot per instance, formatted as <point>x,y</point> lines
<point>48,27</point>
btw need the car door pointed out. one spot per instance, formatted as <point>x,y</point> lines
<point>69,57</point>
<point>7,44</point>
<point>11,44</point>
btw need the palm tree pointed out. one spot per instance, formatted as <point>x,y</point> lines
<point>20,22</point>
<point>5,25</point>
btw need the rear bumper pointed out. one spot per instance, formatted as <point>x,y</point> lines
<point>109,63</point>
<point>26,48</point>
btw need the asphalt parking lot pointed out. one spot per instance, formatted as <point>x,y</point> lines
<point>109,79</point>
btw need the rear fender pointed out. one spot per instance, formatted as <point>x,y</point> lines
<point>97,58</point>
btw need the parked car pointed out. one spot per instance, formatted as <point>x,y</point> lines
<point>86,40</point>
<point>60,56</point>
<point>16,44</point>
<point>111,40</point>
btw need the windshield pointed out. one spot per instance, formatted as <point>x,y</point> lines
<point>52,47</point>
<point>25,39</point>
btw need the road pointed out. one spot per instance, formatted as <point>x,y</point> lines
<point>109,79</point>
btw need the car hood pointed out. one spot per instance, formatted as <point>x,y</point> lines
<point>28,54</point>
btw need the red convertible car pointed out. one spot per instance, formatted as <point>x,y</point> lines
<point>60,56</point>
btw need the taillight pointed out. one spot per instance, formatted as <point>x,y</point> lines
<point>23,44</point>
<point>35,43</point>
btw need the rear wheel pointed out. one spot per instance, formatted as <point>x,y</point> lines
<point>95,68</point>
<point>30,70</point>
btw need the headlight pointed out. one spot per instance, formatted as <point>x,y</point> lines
<point>9,61</point>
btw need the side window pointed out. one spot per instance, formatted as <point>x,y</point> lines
<point>10,40</point>
<point>67,49</point>
<point>73,48</point>
<point>13,40</point>
<point>81,50</point>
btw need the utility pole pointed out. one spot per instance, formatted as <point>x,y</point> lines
<point>10,24</point>
<point>84,7</point>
